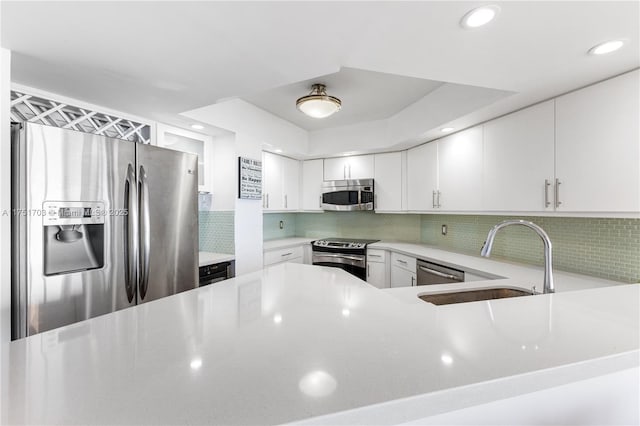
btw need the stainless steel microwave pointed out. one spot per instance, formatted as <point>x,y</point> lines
<point>348,195</point>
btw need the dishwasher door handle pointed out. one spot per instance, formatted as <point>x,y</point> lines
<point>438,273</point>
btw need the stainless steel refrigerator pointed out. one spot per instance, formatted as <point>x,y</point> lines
<point>98,225</point>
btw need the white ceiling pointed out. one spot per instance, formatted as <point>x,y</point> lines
<point>365,96</point>
<point>157,59</point>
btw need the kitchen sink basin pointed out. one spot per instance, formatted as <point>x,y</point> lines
<point>473,295</point>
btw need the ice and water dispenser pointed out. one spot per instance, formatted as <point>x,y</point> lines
<point>73,236</point>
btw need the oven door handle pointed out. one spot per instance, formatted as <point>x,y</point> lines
<point>341,256</point>
<point>438,273</point>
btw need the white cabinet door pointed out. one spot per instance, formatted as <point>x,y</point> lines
<point>460,171</point>
<point>598,147</point>
<point>401,277</point>
<point>376,274</point>
<point>312,176</point>
<point>360,167</point>
<point>191,142</point>
<point>422,177</point>
<point>290,183</point>
<point>354,167</point>
<point>518,160</point>
<point>388,181</point>
<point>272,181</point>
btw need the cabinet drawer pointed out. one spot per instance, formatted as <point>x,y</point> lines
<point>375,255</point>
<point>405,262</point>
<point>282,255</point>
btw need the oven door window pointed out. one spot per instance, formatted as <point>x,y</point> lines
<point>340,198</point>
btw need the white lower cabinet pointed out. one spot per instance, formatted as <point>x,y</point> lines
<point>378,268</point>
<point>290,254</point>
<point>403,270</point>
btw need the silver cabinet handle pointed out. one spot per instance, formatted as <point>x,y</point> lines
<point>404,262</point>
<point>438,273</point>
<point>374,255</point>
<point>557,193</point>
<point>263,200</point>
<point>438,205</point>
<point>433,199</point>
<point>547,184</point>
<point>413,281</point>
<point>286,254</point>
<point>368,272</point>
<point>344,171</point>
<point>285,201</point>
<point>320,201</point>
<point>130,233</point>
<point>267,200</point>
<point>145,231</point>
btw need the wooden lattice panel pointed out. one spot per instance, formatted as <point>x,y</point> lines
<point>25,107</point>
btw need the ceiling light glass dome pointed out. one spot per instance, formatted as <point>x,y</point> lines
<point>318,104</point>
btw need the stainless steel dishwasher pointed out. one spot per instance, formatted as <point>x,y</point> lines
<point>432,273</point>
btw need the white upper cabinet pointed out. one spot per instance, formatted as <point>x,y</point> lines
<point>312,176</point>
<point>388,181</point>
<point>290,183</point>
<point>460,171</point>
<point>422,177</point>
<point>272,179</point>
<point>194,143</point>
<point>353,167</point>
<point>281,183</point>
<point>518,161</point>
<point>598,147</point>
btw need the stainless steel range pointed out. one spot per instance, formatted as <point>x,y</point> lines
<point>346,253</point>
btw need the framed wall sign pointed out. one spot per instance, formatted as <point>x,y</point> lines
<point>249,179</point>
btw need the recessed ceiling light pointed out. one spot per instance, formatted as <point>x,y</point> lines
<point>480,16</point>
<point>197,126</point>
<point>606,47</point>
<point>277,150</point>
<point>446,129</point>
<point>318,104</point>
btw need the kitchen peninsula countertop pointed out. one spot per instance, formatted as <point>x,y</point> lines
<point>294,341</point>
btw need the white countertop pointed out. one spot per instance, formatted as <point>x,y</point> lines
<point>285,243</point>
<point>210,258</point>
<point>297,341</point>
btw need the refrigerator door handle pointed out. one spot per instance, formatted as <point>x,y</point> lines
<point>130,233</point>
<point>145,234</point>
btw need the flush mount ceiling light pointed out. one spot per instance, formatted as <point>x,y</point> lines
<point>479,16</point>
<point>606,47</point>
<point>318,104</point>
<point>446,129</point>
<point>197,126</point>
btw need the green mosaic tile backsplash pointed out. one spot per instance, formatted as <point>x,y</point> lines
<point>605,248</point>
<point>217,231</point>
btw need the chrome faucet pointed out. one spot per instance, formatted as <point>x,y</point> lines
<point>548,272</point>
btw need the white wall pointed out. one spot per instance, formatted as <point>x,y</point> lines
<point>248,215</point>
<point>224,165</point>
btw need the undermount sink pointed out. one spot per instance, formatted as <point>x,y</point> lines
<point>473,295</point>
